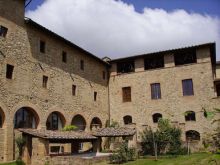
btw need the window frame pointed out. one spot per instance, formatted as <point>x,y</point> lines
<point>187,89</point>
<point>9,71</point>
<point>190,116</point>
<point>3,31</point>
<point>42,46</point>
<point>126,94</point>
<point>45,81</point>
<point>64,57</point>
<point>155,91</point>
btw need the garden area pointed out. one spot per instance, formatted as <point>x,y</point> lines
<point>194,159</point>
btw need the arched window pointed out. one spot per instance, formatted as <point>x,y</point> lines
<point>156,117</point>
<point>96,123</point>
<point>190,116</point>
<point>26,118</point>
<point>80,122</point>
<point>55,121</point>
<point>127,119</point>
<point>192,135</point>
<point>2,116</point>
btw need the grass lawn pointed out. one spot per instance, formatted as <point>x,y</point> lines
<point>195,159</point>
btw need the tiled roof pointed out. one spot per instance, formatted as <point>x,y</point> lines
<point>56,135</point>
<point>114,132</point>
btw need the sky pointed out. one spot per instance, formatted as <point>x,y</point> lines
<point>119,28</point>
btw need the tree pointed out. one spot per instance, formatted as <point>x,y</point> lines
<point>166,138</point>
<point>20,141</point>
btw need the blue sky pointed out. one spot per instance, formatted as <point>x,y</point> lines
<point>119,28</point>
<point>211,7</point>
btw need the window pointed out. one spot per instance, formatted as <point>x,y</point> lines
<point>190,116</point>
<point>96,123</point>
<point>187,87</point>
<point>45,80</point>
<point>126,94</point>
<point>185,57</point>
<point>81,64</point>
<point>127,119</point>
<point>95,96</point>
<point>125,67</point>
<point>42,46</point>
<point>157,61</point>
<point>192,135</point>
<point>155,91</point>
<point>64,57</point>
<point>25,118</point>
<point>218,89</point>
<point>54,121</point>
<point>3,31</point>
<point>103,75</point>
<point>156,117</point>
<point>74,90</point>
<point>9,71</point>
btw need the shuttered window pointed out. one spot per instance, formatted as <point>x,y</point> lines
<point>187,87</point>
<point>155,91</point>
<point>126,94</point>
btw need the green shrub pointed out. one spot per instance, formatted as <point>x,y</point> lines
<point>70,128</point>
<point>20,162</point>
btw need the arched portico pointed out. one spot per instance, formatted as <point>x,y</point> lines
<point>26,117</point>
<point>55,121</point>
<point>79,121</point>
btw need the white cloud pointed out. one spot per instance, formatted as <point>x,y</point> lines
<point>113,28</point>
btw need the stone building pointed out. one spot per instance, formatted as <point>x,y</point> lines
<point>47,82</point>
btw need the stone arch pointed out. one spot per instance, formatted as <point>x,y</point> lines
<point>26,117</point>
<point>156,117</point>
<point>2,118</point>
<point>55,121</point>
<point>190,116</point>
<point>79,121</point>
<point>192,135</point>
<point>95,123</point>
<point>127,119</point>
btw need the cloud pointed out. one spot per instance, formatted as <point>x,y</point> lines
<point>113,28</point>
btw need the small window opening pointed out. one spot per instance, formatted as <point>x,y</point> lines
<point>74,90</point>
<point>95,96</point>
<point>64,57</point>
<point>126,94</point>
<point>190,116</point>
<point>192,135</point>
<point>3,31</point>
<point>45,80</point>
<point>187,86</point>
<point>127,119</point>
<point>155,91</point>
<point>1,119</point>
<point>154,62</point>
<point>9,71</point>
<point>125,67</point>
<point>42,46</point>
<point>156,117</point>
<point>81,64</point>
<point>185,57</point>
<point>103,75</point>
<point>218,89</point>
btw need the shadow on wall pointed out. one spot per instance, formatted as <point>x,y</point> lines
<point>49,49</point>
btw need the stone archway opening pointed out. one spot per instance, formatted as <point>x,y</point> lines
<point>192,135</point>
<point>80,122</point>
<point>127,119</point>
<point>157,117</point>
<point>26,117</point>
<point>96,123</point>
<point>55,121</point>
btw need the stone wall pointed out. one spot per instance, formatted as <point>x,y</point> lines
<point>20,48</point>
<point>173,104</point>
<point>218,71</point>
